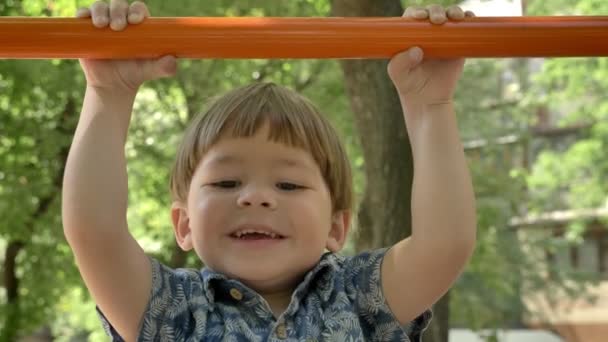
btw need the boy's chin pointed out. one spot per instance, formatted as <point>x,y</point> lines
<point>269,281</point>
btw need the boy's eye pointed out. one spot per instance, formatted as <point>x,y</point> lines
<point>288,186</point>
<point>227,184</point>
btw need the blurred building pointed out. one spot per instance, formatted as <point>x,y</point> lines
<point>578,320</point>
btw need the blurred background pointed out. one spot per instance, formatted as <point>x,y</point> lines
<point>535,133</point>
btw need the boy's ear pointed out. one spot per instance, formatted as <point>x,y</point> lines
<point>340,224</point>
<point>181,226</point>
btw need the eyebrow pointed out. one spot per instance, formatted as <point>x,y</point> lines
<point>224,159</point>
<point>290,162</point>
<point>227,159</point>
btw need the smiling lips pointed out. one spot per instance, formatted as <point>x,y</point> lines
<point>248,232</point>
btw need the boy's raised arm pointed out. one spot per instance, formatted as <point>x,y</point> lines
<point>94,201</point>
<point>114,267</point>
<point>417,271</point>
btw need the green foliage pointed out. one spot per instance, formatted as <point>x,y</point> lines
<point>37,127</point>
<point>35,132</point>
<point>40,101</point>
<point>575,175</point>
<point>567,173</point>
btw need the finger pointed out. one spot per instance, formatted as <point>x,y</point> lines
<point>118,14</point>
<point>404,61</point>
<point>83,12</point>
<point>409,12</point>
<point>437,14</point>
<point>415,55</point>
<point>421,13</point>
<point>469,14</point>
<point>165,66</point>
<point>138,11</point>
<point>416,12</point>
<point>100,13</point>
<point>454,12</point>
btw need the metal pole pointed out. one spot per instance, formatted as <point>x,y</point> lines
<point>332,37</point>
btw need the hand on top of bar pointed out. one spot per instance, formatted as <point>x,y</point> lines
<point>121,75</point>
<point>421,82</point>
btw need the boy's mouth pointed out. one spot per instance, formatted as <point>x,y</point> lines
<point>256,236</point>
<point>255,233</point>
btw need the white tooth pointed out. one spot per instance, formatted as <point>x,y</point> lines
<point>240,233</point>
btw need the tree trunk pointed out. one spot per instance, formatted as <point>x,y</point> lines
<point>11,280</point>
<point>11,285</point>
<point>439,328</point>
<point>384,216</point>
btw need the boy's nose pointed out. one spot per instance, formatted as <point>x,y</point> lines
<point>256,197</point>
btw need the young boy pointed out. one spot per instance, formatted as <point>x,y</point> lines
<point>261,187</point>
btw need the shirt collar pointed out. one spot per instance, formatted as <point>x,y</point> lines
<point>216,284</point>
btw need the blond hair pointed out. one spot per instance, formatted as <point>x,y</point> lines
<point>292,119</point>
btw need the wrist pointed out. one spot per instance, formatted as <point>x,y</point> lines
<point>422,117</point>
<point>120,95</point>
<point>438,107</point>
<point>415,108</point>
<point>108,107</point>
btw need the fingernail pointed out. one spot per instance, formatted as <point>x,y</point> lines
<point>438,19</point>
<point>135,17</point>
<point>416,54</point>
<point>117,23</point>
<point>100,21</point>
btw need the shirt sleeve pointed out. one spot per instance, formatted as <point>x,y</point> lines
<point>363,275</point>
<point>107,327</point>
<point>168,315</point>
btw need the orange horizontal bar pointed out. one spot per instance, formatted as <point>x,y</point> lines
<point>272,37</point>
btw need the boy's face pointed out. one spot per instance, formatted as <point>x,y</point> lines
<point>259,211</point>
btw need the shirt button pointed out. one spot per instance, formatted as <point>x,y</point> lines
<point>281,331</point>
<point>236,294</point>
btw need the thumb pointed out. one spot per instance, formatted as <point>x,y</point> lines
<point>402,62</point>
<point>165,66</point>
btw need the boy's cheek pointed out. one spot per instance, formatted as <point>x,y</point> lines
<point>213,208</point>
<point>208,205</point>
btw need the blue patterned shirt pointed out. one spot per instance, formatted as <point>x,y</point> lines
<point>340,299</point>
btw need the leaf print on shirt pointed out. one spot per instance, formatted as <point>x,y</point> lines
<point>340,299</point>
